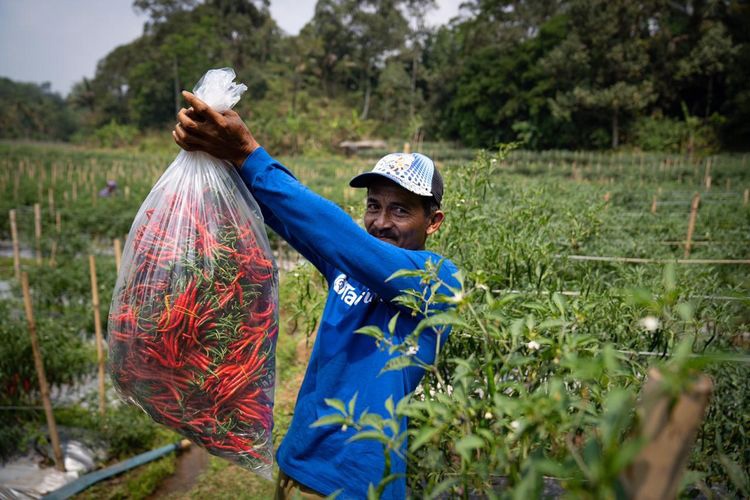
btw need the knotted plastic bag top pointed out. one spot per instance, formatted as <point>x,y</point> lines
<point>194,315</point>
<point>218,89</point>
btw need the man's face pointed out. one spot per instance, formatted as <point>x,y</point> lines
<point>397,216</point>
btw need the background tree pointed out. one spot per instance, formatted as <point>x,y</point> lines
<point>552,73</point>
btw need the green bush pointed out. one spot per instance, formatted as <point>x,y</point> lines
<point>692,135</point>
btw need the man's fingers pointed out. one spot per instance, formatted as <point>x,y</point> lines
<point>185,120</point>
<point>201,107</point>
<point>180,142</point>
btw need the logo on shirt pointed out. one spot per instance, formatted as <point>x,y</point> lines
<point>349,294</point>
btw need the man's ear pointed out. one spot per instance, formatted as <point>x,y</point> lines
<point>436,219</point>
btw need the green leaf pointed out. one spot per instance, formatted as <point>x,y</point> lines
<point>398,363</point>
<point>466,444</point>
<point>551,323</point>
<point>392,323</point>
<point>332,419</point>
<point>352,402</point>
<point>371,420</point>
<point>337,404</point>
<point>448,318</point>
<point>626,453</point>
<point>369,436</point>
<point>424,435</point>
<point>559,301</point>
<point>406,273</point>
<point>371,331</point>
<point>442,487</point>
<point>739,477</point>
<point>389,405</point>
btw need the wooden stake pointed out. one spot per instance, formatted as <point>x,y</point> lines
<point>746,197</point>
<point>51,201</point>
<point>97,330</point>
<point>708,183</point>
<point>16,251</point>
<point>407,148</point>
<point>707,172</point>
<point>669,426</point>
<point>653,205</point>
<point>691,223</point>
<point>38,232</point>
<point>43,387</point>
<point>118,253</point>
<point>52,254</point>
<point>58,222</point>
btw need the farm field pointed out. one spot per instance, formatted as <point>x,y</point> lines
<point>580,273</point>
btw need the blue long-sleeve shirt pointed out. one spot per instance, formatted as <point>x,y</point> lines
<point>342,363</point>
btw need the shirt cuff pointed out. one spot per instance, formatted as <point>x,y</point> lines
<point>254,163</point>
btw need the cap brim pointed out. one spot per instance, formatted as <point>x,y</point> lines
<point>364,180</point>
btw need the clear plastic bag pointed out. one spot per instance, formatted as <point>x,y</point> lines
<point>194,315</point>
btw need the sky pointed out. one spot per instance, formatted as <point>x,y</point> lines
<point>60,41</point>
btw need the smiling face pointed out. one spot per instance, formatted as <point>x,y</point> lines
<point>398,217</point>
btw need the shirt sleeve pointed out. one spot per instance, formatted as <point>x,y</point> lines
<point>307,252</point>
<point>324,233</point>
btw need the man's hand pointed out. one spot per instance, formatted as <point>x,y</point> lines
<point>223,135</point>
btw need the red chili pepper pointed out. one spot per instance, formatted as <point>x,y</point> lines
<point>195,352</point>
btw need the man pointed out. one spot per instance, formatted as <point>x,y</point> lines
<point>404,192</point>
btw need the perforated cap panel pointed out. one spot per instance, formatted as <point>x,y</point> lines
<point>412,171</point>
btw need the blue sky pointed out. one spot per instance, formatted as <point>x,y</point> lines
<point>60,41</point>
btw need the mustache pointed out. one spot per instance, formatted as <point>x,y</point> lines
<point>384,234</point>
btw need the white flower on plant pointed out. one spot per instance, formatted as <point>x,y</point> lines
<point>533,345</point>
<point>650,323</point>
<point>515,425</point>
<point>488,415</point>
<point>414,349</point>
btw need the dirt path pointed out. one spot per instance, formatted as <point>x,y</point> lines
<point>190,465</point>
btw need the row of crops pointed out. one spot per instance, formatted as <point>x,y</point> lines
<point>576,281</point>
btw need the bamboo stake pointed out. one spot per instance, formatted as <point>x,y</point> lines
<point>746,197</point>
<point>118,253</point>
<point>97,330</point>
<point>16,252</point>
<point>653,205</point>
<point>43,387</point>
<point>52,254</point>
<point>707,173</point>
<point>51,201</point>
<point>691,223</point>
<point>58,222</point>
<point>38,232</point>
